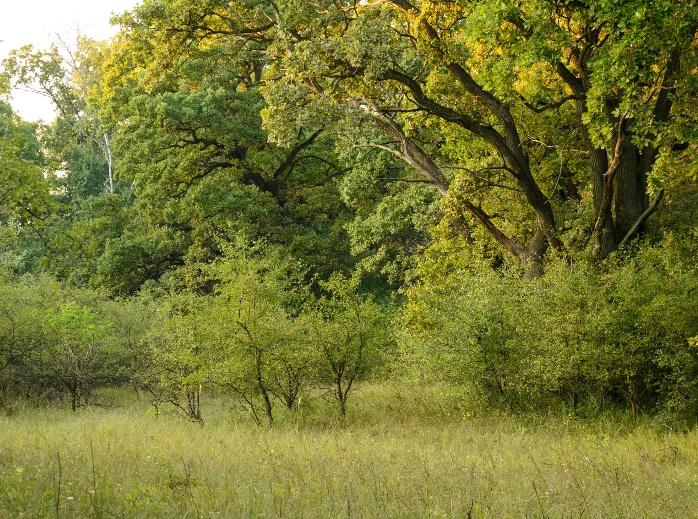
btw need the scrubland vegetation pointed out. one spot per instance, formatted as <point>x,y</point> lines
<point>354,259</point>
<point>568,342</point>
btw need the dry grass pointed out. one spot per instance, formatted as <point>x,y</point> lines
<point>128,463</point>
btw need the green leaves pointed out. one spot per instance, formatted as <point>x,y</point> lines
<point>57,342</point>
<point>577,337</point>
<point>77,325</point>
<point>261,335</point>
<point>23,189</point>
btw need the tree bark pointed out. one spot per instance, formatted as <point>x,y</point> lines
<point>630,191</point>
<point>625,218</point>
<point>603,242</point>
<point>268,408</point>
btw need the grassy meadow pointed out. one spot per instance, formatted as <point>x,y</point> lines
<point>395,456</point>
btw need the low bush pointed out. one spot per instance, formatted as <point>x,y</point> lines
<point>580,337</point>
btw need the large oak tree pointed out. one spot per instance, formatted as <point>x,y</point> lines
<point>501,95</point>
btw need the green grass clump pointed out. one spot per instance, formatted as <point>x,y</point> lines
<point>128,462</point>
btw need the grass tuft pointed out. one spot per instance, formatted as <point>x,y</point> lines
<point>388,460</point>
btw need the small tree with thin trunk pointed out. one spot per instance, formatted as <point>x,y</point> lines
<point>178,355</point>
<point>352,333</point>
<point>261,353</point>
<point>245,338</point>
<point>20,339</point>
<point>79,357</point>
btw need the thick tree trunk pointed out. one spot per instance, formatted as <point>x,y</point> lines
<point>537,246</point>
<point>630,191</point>
<point>613,227</point>
<point>604,242</point>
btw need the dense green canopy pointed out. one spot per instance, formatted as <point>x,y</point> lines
<point>483,170</point>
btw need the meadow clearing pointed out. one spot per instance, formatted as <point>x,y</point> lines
<point>395,456</point>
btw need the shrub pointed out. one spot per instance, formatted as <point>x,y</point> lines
<point>246,338</point>
<point>352,335</point>
<point>56,341</point>
<point>579,335</point>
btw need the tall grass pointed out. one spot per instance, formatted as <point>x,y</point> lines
<point>388,460</point>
